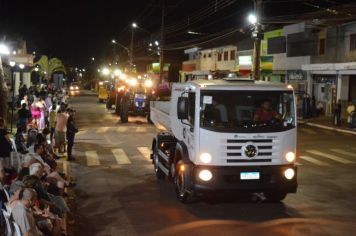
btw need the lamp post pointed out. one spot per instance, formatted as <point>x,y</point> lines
<point>257,36</point>
<point>12,64</point>
<point>134,25</point>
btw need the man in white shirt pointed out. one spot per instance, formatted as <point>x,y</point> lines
<point>23,215</point>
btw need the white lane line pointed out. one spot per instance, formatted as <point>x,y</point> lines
<point>102,130</point>
<point>309,131</point>
<point>352,154</point>
<point>145,151</point>
<point>314,161</point>
<point>120,156</point>
<point>121,129</point>
<point>141,129</point>
<point>92,158</point>
<point>81,132</point>
<point>330,156</point>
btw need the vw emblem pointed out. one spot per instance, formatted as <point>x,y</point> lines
<point>250,151</point>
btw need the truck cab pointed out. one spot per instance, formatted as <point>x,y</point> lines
<point>227,136</point>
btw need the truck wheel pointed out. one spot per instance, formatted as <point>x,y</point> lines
<point>117,104</point>
<point>108,105</point>
<point>159,173</point>
<point>275,196</point>
<point>124,113</point>
<point>100,100</point>
<point>181,179</point>
<point>149,118</point>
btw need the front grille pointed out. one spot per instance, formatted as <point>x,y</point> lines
<point>234,150</point>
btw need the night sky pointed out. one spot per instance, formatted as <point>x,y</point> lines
<point>76,30</point>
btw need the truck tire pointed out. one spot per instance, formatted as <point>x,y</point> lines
<point>108,104</point>
<point>117,104</point>
<point>159,173</point>
<point>181,178</point>
<point>124,110</point>
<point>275,196</point>
<point>149,118</point>
<point>100,100</point>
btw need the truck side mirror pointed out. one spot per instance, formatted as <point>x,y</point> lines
<point>182,108</point>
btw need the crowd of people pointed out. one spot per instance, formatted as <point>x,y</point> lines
<point>32,189</point>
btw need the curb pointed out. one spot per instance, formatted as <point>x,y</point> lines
<point>327,127</point>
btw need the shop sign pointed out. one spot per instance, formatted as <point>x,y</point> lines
<point>296,75</point>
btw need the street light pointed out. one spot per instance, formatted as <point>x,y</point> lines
<point>257,36</point>
<point>113,41</point>
<point>156,43</point>
<point>93,58</point>
<point>4,50</point>
<point>134,25</point>
<point>12,64</point>
<point>105,71</point>
<point>252,19</point>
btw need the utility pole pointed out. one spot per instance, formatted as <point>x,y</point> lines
<point>256,34</point>
<point>161,52</point>
<point>131,49</point>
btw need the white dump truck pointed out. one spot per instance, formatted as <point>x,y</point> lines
<point>227,136</point>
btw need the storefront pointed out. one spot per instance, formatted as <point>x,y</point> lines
<point>332,82</point>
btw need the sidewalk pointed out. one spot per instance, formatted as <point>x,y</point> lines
<point>326,123</point>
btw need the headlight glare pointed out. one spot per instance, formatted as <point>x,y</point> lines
<point>289,173</point>
<point>205,175</point>
<point>205,157</point>
<point>290,156</point>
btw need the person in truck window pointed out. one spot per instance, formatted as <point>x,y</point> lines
<point>265,113</point>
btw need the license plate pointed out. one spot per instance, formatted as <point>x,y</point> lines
<point>249,175</point>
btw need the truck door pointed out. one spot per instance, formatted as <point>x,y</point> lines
<point>188,129</point>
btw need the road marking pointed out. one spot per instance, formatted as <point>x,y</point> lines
<point>330,156</point>
<point>344,152</point>
<point>309,131</point>
<point>314,161</point>
<point>145,151</point>
<point>83,131</point>
<point>121,129</point>
<point>120,156</point>
<point>102,130</point>
<point>92,158</point>
<point>141,129</point>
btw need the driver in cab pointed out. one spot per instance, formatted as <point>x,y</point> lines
<point>265,113</point>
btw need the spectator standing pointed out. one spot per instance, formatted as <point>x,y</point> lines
<point>5,145</point>
<point>351,111</point>
<point>52,121</point>
<point>71,131</point>
<point>24,100</point>
<point>24,115</point>
<point>22,213</point>
<point>337,113</point>
<point>61,127</point>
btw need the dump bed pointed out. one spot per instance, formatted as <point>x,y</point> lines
<point>160,114</point>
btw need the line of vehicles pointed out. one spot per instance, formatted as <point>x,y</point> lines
<point>128,96</point>
<point>220,136</point>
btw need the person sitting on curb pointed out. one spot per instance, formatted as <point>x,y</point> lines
<point>351,111</point>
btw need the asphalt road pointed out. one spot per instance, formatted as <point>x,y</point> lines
<point>118,194</point>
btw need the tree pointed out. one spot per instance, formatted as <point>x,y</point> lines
<point>48,67</point>
<point>3,93</point>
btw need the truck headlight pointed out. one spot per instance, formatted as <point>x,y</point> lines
<point>289,173</point>
<point>71,88</point>
<point>205,157</point>
<point>205,175</point>
<point>290,156</point>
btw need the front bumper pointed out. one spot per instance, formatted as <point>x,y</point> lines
<point>227,178</point>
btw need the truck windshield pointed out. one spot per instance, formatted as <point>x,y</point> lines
<point>247,111</point>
